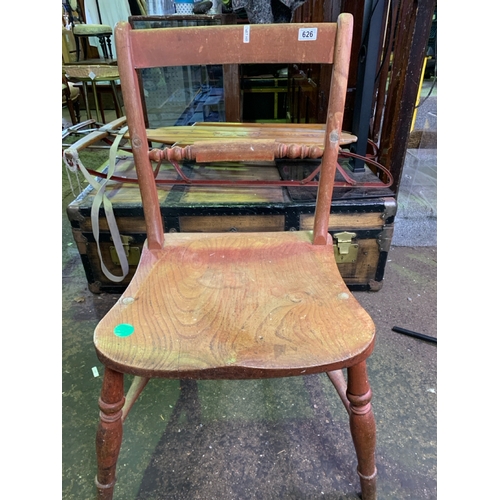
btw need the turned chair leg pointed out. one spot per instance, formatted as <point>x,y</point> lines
<point>109,432</point>
<point>362,423</point>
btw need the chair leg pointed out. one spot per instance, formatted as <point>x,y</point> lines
<point>109,432</point>
<point>110,51</point>
<point>86,99</point>
<point>116,99</point>
<point>96,102</point>
<point>103,46</point>
<point>362,423</point>
<point>101,106</point>
<point>77,46</point>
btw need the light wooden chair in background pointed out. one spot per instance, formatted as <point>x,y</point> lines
<point>82,32</point>
<point>80,67</point>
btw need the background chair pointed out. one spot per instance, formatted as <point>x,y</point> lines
<point>81,69</point>
<point>93,74</point>
<point>234,305</point>
<point>82,31</point>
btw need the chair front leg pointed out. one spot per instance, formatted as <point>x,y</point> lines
<point>109,432</point>
<point>362,423</point>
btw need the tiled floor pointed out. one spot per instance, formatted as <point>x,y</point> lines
<point>275,439</point>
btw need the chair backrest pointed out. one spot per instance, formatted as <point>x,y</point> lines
<point>322,43</point>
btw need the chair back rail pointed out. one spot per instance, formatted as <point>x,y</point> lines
<point>233,44</point>
<point>322,43</point>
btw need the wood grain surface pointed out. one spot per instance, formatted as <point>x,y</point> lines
<point>246,304</point>
<point>288,133</point>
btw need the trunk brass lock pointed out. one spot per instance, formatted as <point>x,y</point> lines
<point>345,250</point>
<point>133,253</point>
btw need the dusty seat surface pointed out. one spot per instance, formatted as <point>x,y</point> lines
<point>92,29</point>
<point>258,305</point>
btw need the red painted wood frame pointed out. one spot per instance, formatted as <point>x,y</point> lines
<point>138,49</point>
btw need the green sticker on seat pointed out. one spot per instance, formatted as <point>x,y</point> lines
<point>123,330</point>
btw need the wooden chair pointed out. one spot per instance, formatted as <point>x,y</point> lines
<point>235,305</point>
<point>87,70</point>
<point>93,74</point>
<point>83,31</point>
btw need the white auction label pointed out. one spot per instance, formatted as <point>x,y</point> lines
<point>307,34</point>
<point>246,33</point>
